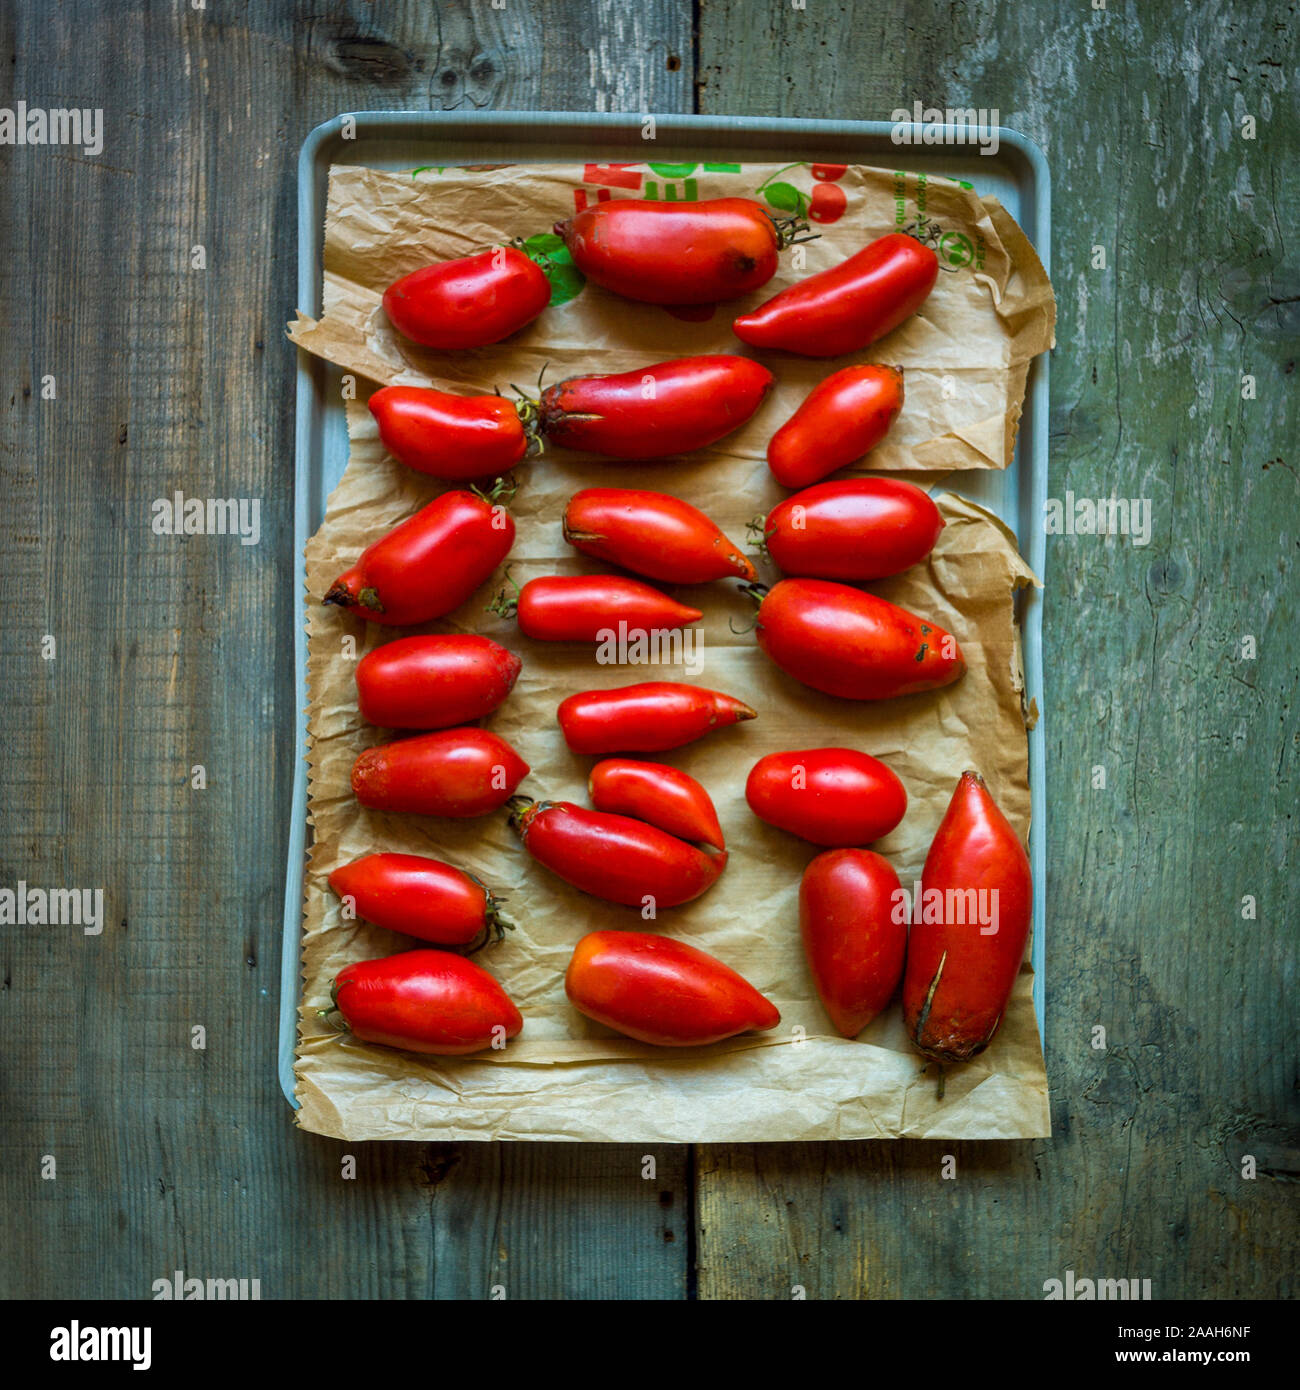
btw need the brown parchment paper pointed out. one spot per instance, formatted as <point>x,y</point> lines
<point>965,354</point>
<point>565,1078</point>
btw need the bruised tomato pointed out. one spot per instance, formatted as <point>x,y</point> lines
<point>848,643</point>
<point>830,796</point>
<point>469,302</point>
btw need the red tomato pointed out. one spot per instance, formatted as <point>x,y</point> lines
<point>854,928</point>
<point>451,437</point>
<point>827,204</point>
<point>425,1001</point>
<point>653,534</point>
<point>848,643</point>
<point>470,302</point>
<point>589,607</point>
<point>420,897</point>
<point>676,253</point>
<point>434,682</point>
<point>647,718</point>
<point>849,306</point>
<point>969,928</point>
<point>454,772</point>
<point>668,408</point>
<point>831,796</point>
<point>665,797</point>
<point>429,564</point>
<point>844,417</point>
<point>662,991</point>
<point>614,857</point>
<point>861,528</point>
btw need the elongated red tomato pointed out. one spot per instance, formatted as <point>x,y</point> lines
<point>845,642</point>
<point>969,928</point>
<point>677,253</point>
<point>861,528</point>
<point>469,302</point>
<point>854,929</point>
<point>451,437</point>
<point>830,796</point>
<point>614,857</point>
<point>650,717</point>
<point>425,1001</point>
<point>588,607</point>
<point>419,896</point>
<point>434,682</point>
<point>843,417</point>
<point>653,534</point>
<point>429,564</point>
<point>454,772</point>
<point>848,307</point>
<point>662,991</point>
<point>664,796</point>
<point>667,408</point>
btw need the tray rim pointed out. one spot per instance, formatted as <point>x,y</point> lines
<point>614,125</point>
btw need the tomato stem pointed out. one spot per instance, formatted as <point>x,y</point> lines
<point>506,605</point>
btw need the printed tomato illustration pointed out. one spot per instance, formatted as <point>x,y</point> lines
<point>969,928</point>
<point>453,772</point>
<point>420,897</point>
<point>469,302</point>
<point>829,172</point>
<point>827,204</point>
<point>662,991</point>
<point>425,1001</point>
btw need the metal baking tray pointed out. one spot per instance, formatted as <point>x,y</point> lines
<point>1016,174</point>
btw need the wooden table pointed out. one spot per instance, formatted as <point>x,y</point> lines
<point>129,373</point>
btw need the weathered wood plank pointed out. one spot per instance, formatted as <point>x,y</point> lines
<point>1140,113</point>
<point>175,651</point>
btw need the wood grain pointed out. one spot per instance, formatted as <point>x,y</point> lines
<point>176,651</point>
<point>1139,113</point>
